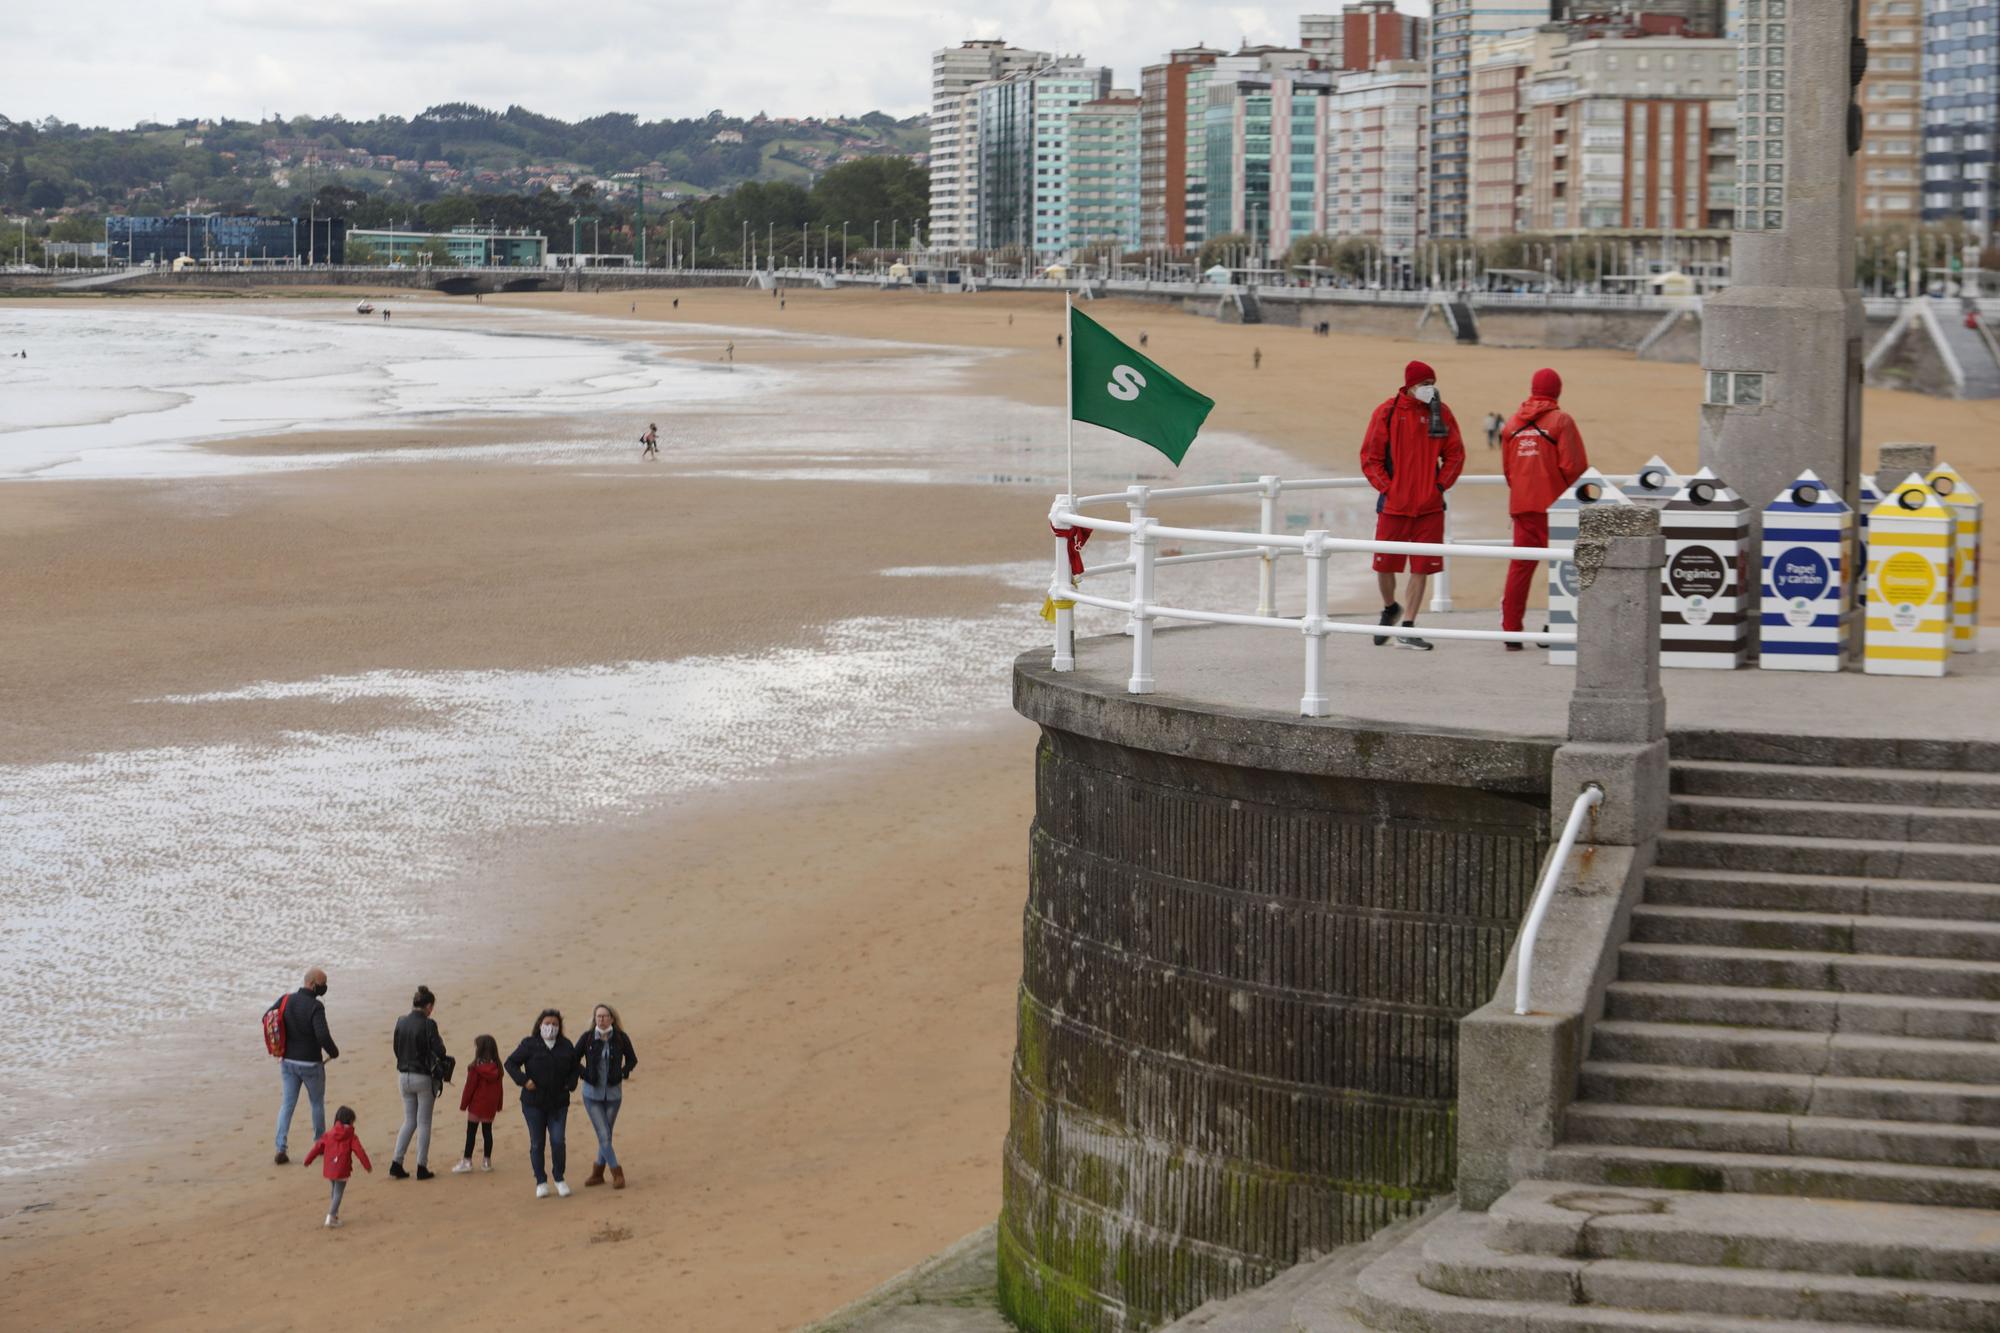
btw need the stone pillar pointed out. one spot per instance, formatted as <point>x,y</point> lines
<point>1518,1072</point>
<point>1899,461</point>
<point>1781,347</point>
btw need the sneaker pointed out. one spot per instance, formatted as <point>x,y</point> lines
<point>332,1221</point>
<point>1389,614</point>
<point>486,1164</point>
<point>1511,647</point>
<point>463,1167</point>
<point>541,1191</point>
<point>562,1188</point>
<point>281,1159</point>
<point>396,1171</point>
<point>424,1172</point>
<point>1411,641</point>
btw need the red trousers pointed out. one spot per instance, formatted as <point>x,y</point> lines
<point>1529,530</point>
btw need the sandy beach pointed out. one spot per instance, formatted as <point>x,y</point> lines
<point>722,740</point>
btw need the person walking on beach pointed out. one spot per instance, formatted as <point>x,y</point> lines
<point>605,1060</point>
<point>420,1056</point>
<point>306,1046</point>
<point>339,1146</point>
<point>1142,339</point>
<point>1493,423</point>
<point>544,1068</point>
<point>651,439</point>
<point>1541,456</point>
<point>385,315</point>
<point>1412,454</point>
<point>729,353</point>
<point>480,1100</point>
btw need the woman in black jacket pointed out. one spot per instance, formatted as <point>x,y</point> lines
<point>544,1067</point>
<point>605,1059</point>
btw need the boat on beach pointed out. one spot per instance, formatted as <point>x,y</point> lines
<point>364,308</point>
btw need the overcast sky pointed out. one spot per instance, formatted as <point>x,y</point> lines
<point>115,62</point>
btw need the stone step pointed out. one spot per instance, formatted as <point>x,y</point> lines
<point>1917,1100</point>
<point>1392,1298</point>
<point>1930,788</point>
<point>1463,1264</point>
<point>1689,886</point>
<point>1710,965</point>
<point>1776,1050</point>
<point>1834,819</point>
<point>1804,1010</point>
<point>1817,932</point>
<point>1772,1173</point>
<point>1786,751</point>
<point>1921,1143</point>
<point>1749,1231</point>
<point>1830,856</point>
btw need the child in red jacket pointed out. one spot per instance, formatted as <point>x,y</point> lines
<point>340,1146</point>
<point>480,1100</point>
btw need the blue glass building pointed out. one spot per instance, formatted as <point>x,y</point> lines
<point>222,238</point>
<point>1961,111</point>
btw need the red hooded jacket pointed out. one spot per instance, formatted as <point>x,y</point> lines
<point>1402,460</point>
<point>480,1099</point>
<point>340,1146</point>
<point>1541,455</point>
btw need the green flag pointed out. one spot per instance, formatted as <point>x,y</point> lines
<point>1114,387</point>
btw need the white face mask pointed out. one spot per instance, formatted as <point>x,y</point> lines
<point>549,1031</point>
<point>1423,393</point>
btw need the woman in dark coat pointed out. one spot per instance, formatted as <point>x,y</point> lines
<point>544,1067</point>
<point>605,1059</point>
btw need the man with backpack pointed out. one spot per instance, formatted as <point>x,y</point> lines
<point>1541,455</point>
<point>295,1031</point>
<point>1412,454</point>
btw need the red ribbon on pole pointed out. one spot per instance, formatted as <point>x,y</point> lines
<point>1074,539</point>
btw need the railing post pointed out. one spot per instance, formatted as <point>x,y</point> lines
<point>1267,566</point>
<point>1313,702</point>
<point>1142,614</point>
<point>1441,581</point>
<point>1065,649</point>
<point>1135,512</point>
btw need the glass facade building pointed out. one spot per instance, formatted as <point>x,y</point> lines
<point>1104,174</point>
<point>221,238</point>
<point>1023,132</point>
<point>1961,112</point>
<point>1454,25</point>
<point>469,247</point>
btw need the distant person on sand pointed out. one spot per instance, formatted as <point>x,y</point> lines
<point>1059,340</point>
<point>420,1058</point>
<point>677,303</point>
<point>605,1060</point>
<point>385,316</point>
<point>1493,423</point>
<point>651,439</point>
<point>1412,454</point>
<point>1541,455</point>
<point>481,1100</point>
<point>1256,358</point>
<point>339,1146</point>
<point>544,1067</point>
<point>729,353</point>
<point>1142,338</point>
<point>308,1046</point>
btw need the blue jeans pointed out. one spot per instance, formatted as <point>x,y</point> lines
<point>293,1075</point>
<point>603,1115</point>
<point>554,1124</point>
<point>333,1204</point>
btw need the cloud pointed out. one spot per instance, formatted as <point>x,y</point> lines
<point>363,58</point>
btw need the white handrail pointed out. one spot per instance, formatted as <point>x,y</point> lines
<point>1587,800</point>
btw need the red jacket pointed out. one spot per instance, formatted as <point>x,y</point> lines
<point>1401,459</point>
<point>480,1099</point>
<point>340,1146</point>
<point>1541,455</point>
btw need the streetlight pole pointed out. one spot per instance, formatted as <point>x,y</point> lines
<point>843,243</point>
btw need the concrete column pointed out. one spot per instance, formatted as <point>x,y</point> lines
<point>1793,315</point>
<point>1899,461</point>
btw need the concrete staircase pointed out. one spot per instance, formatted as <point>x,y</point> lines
<point>1972,351</point>
<point>1789,1116</point>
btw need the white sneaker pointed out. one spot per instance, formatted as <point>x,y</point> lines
<point>486,1164</point>
<point>332,1221</point>
<point>562,1188</point>
<point>462,1167</point>
<point>541,1191</point>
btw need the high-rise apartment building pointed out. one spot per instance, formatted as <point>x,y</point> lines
<point>1321,35</point>
<point>1375,146</point>
<point>1889,175</point>
<point>1261,127</point>
<point>1165,90</point>
<point>1961,69</point>
<point>1022,131</point>
<point>954,160</point>
<point>1454,25</point>
<point>1103,187</point>
<point>1502,167</point>
<point>1373,31</point>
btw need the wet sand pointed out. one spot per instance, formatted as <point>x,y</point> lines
<point>818,966</point>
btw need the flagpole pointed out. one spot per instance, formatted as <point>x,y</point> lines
<point>1069,394</point>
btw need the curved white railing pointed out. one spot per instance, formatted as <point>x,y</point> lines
<point>1267,546</point>
<point>1587,800</point>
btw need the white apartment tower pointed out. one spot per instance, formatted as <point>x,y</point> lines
<point>955,71</point>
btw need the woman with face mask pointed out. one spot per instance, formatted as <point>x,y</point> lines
<point>544,1067</point>
<point>605,1060</point>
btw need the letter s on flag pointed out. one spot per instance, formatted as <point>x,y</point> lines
<point>1125,384</point>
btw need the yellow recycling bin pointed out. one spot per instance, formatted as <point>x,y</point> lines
<point>1910,557</point>
<point>1967,511</point>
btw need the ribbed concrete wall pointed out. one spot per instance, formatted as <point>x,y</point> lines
<point>1238,1009</point>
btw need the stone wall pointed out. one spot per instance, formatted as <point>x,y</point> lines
<point>1241,983</point>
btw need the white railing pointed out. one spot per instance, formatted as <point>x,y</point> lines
<point>1587,800</point>
<point>1266,545</point>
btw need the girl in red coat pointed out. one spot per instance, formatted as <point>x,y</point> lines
<point>480,1101</point>
<point>340,1146</point>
